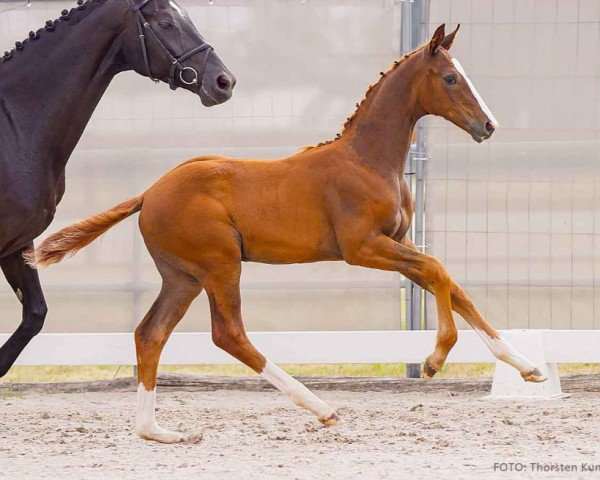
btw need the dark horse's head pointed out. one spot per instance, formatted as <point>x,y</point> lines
<point>162,43</point>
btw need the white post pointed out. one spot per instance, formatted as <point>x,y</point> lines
<point>508,382</point>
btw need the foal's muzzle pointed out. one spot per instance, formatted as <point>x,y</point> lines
<point>483,130</point>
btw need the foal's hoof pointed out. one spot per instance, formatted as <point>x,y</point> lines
<point>428,370</point>
<point>164,436</point>
<point>331,420</point>
<point>192,438</point>
<point>535,376</point>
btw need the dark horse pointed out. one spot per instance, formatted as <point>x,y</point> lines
<point>50,85</point>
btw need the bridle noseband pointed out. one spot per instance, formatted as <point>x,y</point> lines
<point>142,25</point>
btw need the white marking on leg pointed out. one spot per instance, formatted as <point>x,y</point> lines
<point>298,393</point>
<point>475,93</point>
<point>504,351</point>
<point>145,420</point>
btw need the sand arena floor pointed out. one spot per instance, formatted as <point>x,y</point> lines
<point>392,429</point>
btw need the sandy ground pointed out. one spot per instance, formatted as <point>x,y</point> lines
<point>258,434</point>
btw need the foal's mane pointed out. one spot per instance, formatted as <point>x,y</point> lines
<point>72,17</point>
<point>370,89</point>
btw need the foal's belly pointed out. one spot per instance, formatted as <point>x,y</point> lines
<point>278,243</point>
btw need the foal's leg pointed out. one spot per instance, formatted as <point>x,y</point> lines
<point>463,305</point>
<point>177,293</point>
<point>382,252</point>
<point>25,283</point>
<point>229,334</point>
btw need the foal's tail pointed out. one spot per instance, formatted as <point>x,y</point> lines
<point>68,241</point>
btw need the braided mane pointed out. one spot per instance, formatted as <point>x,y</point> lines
<point>349,120</point>
<point>72,16</point>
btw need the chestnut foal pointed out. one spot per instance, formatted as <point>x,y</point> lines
<point>342,200</point>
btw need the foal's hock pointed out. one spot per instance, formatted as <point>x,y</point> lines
<point>342,200</point>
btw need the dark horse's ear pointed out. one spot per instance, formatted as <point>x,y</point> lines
<point>449,39</point>
<point>437,39</point>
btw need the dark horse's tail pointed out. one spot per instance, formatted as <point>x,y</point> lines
<point>70,240</point>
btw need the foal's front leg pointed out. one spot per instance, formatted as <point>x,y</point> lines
<point>383,253</point>
<point>463,305</point>
<point>386,254</point>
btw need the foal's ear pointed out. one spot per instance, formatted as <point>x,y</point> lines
<point>437,39</point>
<point>449,39</point>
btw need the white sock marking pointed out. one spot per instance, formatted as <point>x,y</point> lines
<point>145,420</point>
<point>298,393</point>
<point>482,104</point>
<point>504,351</point>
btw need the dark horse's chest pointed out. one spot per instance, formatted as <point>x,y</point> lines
<point>28,200</point>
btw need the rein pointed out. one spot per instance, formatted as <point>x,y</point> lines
<point>176,62</point>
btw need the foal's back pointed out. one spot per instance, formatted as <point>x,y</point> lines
<point>271,211</point>
<point>258,210</point>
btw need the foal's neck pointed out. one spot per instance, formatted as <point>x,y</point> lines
<point>50,88</point>
<point>382,129</point>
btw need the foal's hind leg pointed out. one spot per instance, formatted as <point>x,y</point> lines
<point>229,334</point>
<point>463,305</point>
<point>177,293</point>
<point>25,283</point>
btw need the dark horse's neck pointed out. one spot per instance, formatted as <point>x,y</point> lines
<point>381,129</point>
<point>50,88</point>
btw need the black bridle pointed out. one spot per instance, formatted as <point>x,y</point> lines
<point>142,25</point>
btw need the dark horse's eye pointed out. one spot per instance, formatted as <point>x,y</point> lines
<point>450,79</point>
<point>164,24</point>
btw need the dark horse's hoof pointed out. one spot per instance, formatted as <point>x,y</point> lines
<point>428,370</point>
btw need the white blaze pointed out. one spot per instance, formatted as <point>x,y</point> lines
<point>182,13</point>
<point>299,394</point>
<point>482,104</point>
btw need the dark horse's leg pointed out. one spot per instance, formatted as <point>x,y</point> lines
<point>25,283</point>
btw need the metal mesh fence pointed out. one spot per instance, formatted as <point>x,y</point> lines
<point>301,67</point>
<point>514,218</point>
<point>517,219</point>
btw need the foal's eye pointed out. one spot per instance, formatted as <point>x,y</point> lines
<point>450,79</point>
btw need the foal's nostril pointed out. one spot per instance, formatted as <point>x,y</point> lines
<point>489,127</point>
<point>223,82</point>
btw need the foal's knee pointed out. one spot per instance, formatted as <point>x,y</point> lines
<point>33,318</point>
<point>149,339</point>
<point>229,338</point>
<point>436,274</point>
<point>449,337</point>
<point>236,343</point>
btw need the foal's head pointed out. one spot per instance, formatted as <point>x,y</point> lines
<point>167,33</point>
<point>445,89</point>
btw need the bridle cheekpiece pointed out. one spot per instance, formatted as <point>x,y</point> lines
<point>176,62</point>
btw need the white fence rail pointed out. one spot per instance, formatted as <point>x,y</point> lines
<point>545,347</point>
<point>561,346</point>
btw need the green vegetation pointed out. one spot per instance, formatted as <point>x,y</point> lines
<point>105,372</point>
